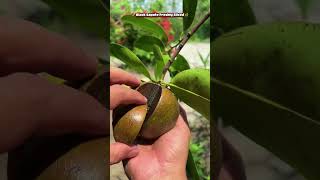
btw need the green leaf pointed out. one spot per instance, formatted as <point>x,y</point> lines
<point>128,57</point>
<point>304,6</point>
<point>189,7</point>
<point>159,62</point>
<point>288,134</point>
<point>231,14</point>
<point>192,167</point>
<point>146,25</point>
<point>197,102</point>
<point>179,64</point>
<point>146,42</point>
<point>90,16</point>
<point>193,88</point>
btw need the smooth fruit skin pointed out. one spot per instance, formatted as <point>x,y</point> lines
<point>279,61</point>
<point>37,154</point>
<point>164,116</point>
<point>128,127</point>
<point>85,161</point>
<point>196,80</point>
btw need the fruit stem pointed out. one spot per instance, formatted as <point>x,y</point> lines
<point>185,39</point>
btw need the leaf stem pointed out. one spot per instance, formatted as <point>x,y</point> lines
<point>185,39</point>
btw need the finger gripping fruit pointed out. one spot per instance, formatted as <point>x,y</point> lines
<point>148,121</point>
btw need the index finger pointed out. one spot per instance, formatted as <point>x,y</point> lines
<point>119,76</point>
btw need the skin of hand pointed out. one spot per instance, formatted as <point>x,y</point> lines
<point>120,94</point>
<point>32,106</point>
<point>165,158</point>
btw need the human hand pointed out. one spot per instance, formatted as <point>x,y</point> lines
<point>165,158</point>
<point>120,94</point>
<point>31,105</point>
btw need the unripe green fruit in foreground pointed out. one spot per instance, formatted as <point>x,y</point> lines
<point>147,121</point>
<point>279,61</point>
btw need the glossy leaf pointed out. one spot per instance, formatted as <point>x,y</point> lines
<point>192,167</point>
<point>231,14</point>
<point>146,25</point>
<point>159,62</point>
<point>193,88</point>
<point>189,7</point>
<point>197,102</point>
<point>89,15</point>
<point>146,43</point>
<point>128,57</point>
<point>288,134</point>
<point>179,64</point>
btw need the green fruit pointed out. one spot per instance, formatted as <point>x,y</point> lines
<point>279,61</point>
<point>197,81</point>
<point>161,116</point>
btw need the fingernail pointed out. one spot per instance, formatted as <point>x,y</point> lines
<point>143,99</point>
<point>133,152</point>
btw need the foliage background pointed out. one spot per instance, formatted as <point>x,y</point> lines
<point>197,48</point>
<point>126,35</point>
<point>260,163</point>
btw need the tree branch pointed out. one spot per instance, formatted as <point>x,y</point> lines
<point>185,39</point>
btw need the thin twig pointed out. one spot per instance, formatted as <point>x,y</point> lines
<point>185,39</point>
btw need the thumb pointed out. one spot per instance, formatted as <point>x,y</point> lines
<point>119,152</point>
